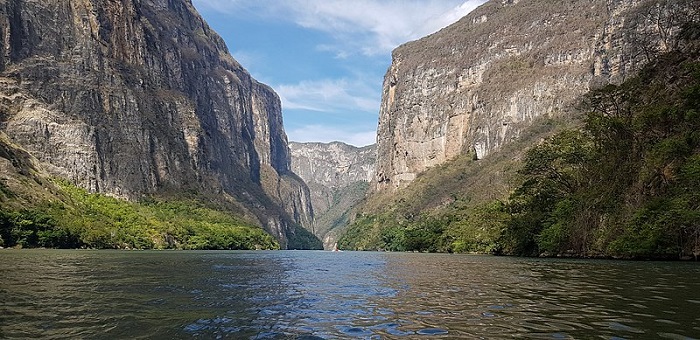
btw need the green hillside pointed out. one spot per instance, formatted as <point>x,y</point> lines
<point>624,183</point>
<point>36,211</point>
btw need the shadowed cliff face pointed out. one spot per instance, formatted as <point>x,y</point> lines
<point>480,82</point>
<point>135,97</point>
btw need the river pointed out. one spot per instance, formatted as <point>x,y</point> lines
<point>53,294</point>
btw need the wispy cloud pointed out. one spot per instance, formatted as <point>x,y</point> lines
<point>329,95</point>
<point>369,26</point>
<point>348,44</point>
<point>380,25</point>
<point>326,134</point>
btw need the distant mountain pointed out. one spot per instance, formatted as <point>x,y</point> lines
<point>338,176</point>
<point>141,98</point>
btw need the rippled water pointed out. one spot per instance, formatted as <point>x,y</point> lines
<point>314,295</point>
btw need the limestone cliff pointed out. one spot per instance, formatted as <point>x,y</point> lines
<point>338,176</point>
<point>480,82</point>
<point>140,97</point>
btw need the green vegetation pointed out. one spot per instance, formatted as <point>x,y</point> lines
<point>626,184</point>
<point>453,207</point>
<point>303,239</point>
<point>83,220</point>
<point>454,228</point>
<point>336,218</point>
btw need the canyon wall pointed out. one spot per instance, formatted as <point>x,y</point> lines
<point>140,97</point>
<point>338,176</point>
<point>479,83</point>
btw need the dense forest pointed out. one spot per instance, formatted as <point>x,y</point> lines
<point>625,184</point>
<point>37,210</point>
<point>74,218</point>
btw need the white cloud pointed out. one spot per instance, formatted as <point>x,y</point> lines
<point>368,29</point>
<point>329,95</point>
<point>326,134</point>
<point>381,25</point>
<point>339,53</point>
<point>370,26</point>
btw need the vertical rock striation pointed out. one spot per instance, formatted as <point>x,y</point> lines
<point>139,97</point>
<point>480,82</point>
<point>338,176</point>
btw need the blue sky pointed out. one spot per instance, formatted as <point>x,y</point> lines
<point>326,58</point>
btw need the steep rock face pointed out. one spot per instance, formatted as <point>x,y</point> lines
<point>333,165</point>
<point>137,97</point>
<point>338,176</point>
<point>480,82</point>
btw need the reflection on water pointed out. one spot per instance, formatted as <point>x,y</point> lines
<point>325,295</point>
<point>553,299</point>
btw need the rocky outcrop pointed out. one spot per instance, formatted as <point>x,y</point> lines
<point>481,82</point>
<point>333,165</point>
<point>338,176</point>
<point>139,97</point>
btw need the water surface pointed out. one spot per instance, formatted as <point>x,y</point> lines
<point>313,295</point>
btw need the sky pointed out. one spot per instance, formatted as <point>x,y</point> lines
<point>326,58</point>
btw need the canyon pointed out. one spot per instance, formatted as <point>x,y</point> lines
<point>338,176</point>
<point>139,98</point>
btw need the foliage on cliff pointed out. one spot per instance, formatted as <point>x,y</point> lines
<point>626,184</point>
<point>443,208</point>
<point>142,98</point>
<point>77,219</point>
<point>338,177</point>
<point>302,239</point>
